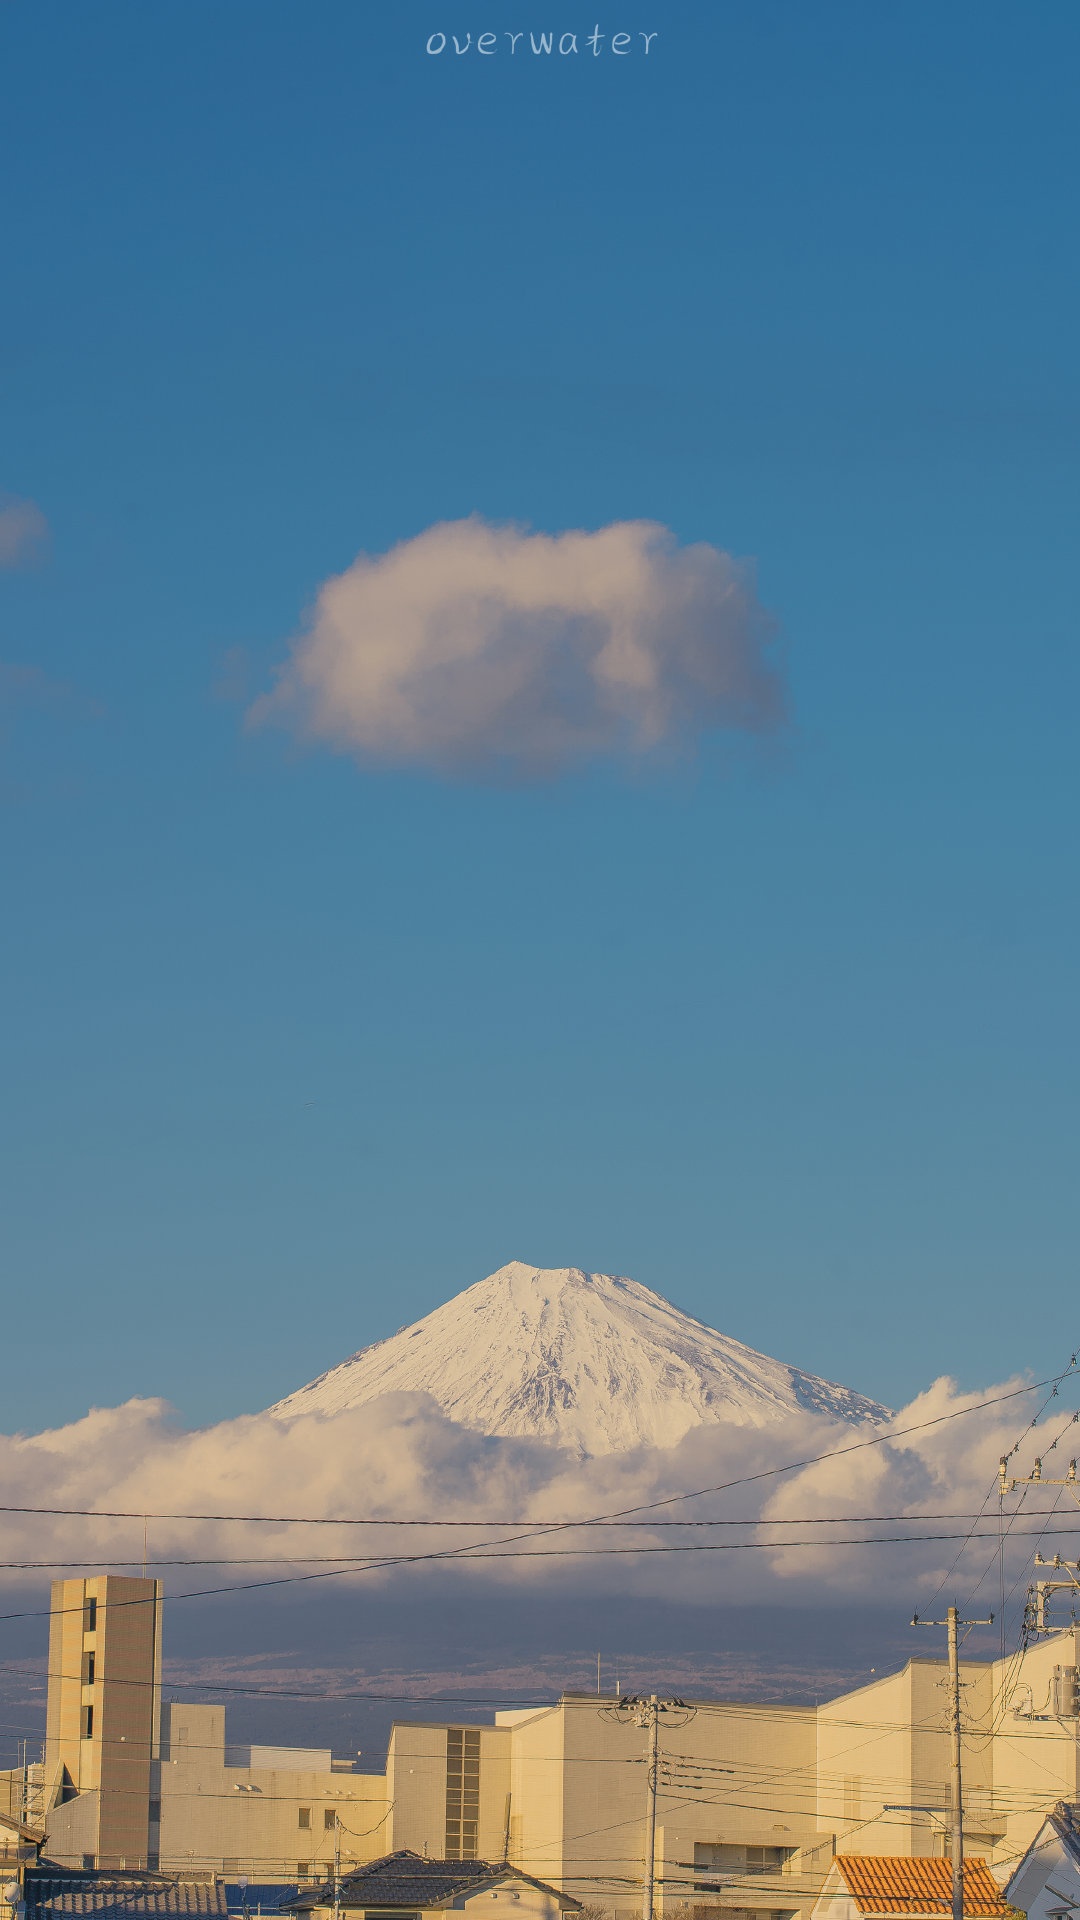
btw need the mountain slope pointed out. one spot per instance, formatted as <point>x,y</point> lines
<point>596,1362</point>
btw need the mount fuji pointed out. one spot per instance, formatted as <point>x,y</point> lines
<point>595,1362</point>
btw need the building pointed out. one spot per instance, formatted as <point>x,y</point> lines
<point>102,1896</point>
<point>259,1812</point>
<point>754,1800</point>
<point>103,1719</point>
<point>892,1887</point>
<point>403,1884</point>
<point>1046,1882</point>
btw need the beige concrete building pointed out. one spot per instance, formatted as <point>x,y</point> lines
<point>753,1800</point>
<point>104,1711</point>
<point>264,1812</point>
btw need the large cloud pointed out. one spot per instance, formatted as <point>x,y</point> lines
<point>22,529</point>
<point>417,1463</point>
<point>485,648</point>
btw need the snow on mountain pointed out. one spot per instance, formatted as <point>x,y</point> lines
<point>591,1360</point>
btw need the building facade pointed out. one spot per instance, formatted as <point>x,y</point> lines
<point>753,1800</point>
<point>104,1714</point>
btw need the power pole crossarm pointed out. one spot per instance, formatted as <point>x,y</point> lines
<point>1035,1479</point>
<point>953,1623</point>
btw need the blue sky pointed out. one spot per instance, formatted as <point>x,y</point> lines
<point>295,1048</point>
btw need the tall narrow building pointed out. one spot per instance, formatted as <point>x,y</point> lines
<point>104,1713</point>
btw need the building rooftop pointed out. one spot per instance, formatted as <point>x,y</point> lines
<point>894,1884</point>
<point>1063,1819</point>
<point>405,1880</point>
<point>120,1896</point>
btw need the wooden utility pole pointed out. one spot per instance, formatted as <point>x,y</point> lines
<point>953,1623</point>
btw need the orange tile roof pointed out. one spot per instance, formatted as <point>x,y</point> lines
<point>897,1884</point>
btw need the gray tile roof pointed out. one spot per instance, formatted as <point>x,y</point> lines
<point>405,1880</point>
<point>121,1897</point>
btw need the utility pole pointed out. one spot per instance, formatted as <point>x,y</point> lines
<point>337,1865</point>
<point>1035,1617</point>
<point>644,1711</point>
<point>652,1769</point>
<point>953,1624</point>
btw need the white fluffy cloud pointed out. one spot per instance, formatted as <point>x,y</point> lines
<point>417,1463</point>
<point>483,648</point>
<point>22,529</point>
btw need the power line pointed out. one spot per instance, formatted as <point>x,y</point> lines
<point>766,1473</point>
<point>364,1563</point>
<point>540,1530</point>
<point>1053,1383</point>
<point>568,1526</point>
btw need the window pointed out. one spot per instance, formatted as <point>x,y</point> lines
<point>154,1809</point>
<point>88,1723</point>
<point>89,1862</point>
<point>329,1819</point>
<point>89,1616</point>
<point>89,1664</point>
<point>303,1868</point>
<point>744,1913</point>
<point>305,1817</point>
<point>462,1793</point>
<point>724,1858</point>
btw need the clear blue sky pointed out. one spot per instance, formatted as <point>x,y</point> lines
<point>292,1050</point>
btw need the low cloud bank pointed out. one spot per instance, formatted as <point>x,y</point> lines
<point>401,1458</point>
<point>477,648</point>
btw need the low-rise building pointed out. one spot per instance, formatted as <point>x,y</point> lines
<point>899,1887</point>
<point>404,1886</point>
<point>1045,1883</point>
<point>55,1895</point>
<point>753,1800</point>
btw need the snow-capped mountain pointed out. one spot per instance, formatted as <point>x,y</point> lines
<point>591,1360</point>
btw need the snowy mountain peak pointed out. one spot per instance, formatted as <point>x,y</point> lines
<point>593,1361</point>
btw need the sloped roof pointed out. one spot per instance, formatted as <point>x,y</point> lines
<point>121,1897</point>
<point>9,1824</point>
<point>1040,1860</point>
<point>405,1880</point>
<point>903,1884</point>
<point>1063,1819</point>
